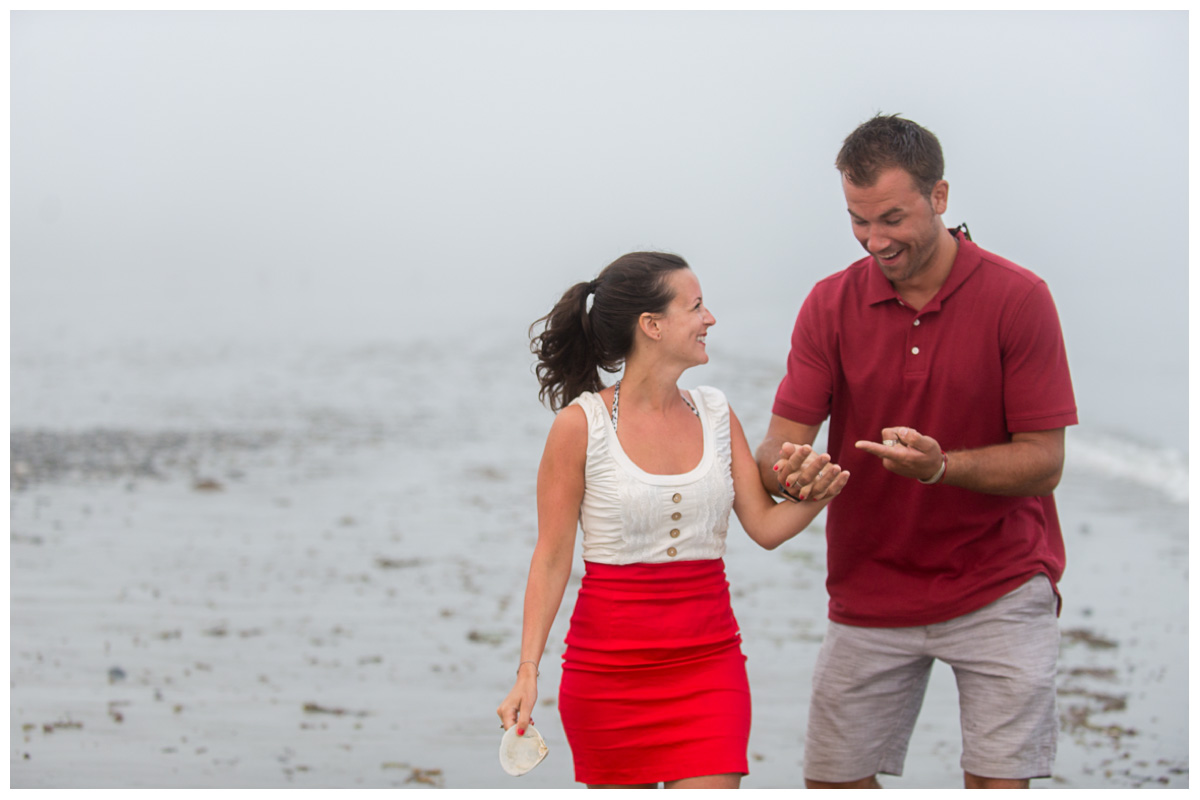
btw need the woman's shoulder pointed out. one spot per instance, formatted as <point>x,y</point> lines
<point>591,398</point>
<point>594,404</point>
<point>712,397</point>
<point>589,410</point>
<point>569,431</point>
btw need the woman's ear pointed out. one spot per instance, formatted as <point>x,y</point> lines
<point>648,324</point>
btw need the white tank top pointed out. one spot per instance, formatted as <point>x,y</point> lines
<point>629,516</point>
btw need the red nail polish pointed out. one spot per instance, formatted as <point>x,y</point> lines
<point>787,484</point>
<point>801,497</point>
<point>520,732</point>
<point>776,468</point>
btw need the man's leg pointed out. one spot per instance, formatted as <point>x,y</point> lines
<point>975,782</point>
<point>1005,658</point>
<point>865,783</point>
<point>868,687</point>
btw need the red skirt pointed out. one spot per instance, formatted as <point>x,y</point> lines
<point>654,681</point>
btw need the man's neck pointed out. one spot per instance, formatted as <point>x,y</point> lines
<point>924,287</point>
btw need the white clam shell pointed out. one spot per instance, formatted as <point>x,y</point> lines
<point>519,754</point>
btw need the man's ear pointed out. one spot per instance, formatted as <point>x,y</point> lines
<point>940,197</point>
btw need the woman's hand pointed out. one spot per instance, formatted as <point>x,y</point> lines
<point>517,708</point>
<point>807,475</point>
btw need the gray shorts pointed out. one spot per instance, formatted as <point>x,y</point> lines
<point>870,682</point>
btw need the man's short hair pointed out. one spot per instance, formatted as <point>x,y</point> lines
<point>886,141</point>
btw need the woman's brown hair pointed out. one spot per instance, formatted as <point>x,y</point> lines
<point>577,342</point>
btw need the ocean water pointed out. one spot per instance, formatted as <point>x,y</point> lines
<point>127,381</point>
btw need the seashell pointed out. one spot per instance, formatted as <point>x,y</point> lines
<point>519,754</point>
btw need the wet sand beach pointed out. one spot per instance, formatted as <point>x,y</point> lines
<point>306,571</point>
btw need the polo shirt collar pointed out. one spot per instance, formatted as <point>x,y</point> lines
<point>966,261</point>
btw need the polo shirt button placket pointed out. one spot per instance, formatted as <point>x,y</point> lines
<point>913,348</point>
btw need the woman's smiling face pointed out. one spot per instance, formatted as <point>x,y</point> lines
<point>686,321</point>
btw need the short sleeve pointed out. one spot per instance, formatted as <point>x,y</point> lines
<point>806,391</point>
<point>1038,394</point>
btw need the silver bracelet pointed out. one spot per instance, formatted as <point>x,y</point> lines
<point>941,471</point>
<point>538,672</point>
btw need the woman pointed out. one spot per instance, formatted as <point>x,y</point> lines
<point>654,681</point>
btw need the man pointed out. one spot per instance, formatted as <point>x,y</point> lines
<point>942,370</point>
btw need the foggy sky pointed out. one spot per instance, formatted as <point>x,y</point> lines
<point>181,176</point>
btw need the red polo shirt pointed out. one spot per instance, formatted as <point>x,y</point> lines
<point>983,360</point>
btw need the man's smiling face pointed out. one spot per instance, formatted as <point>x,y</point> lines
<point>896,223</point>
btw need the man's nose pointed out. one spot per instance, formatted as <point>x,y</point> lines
<point>877,241</point>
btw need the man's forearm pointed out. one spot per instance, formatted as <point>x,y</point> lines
<point>1017,468</point>
<point>1029,465</point>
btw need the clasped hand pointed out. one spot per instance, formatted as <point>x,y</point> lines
<point>806,475</point>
